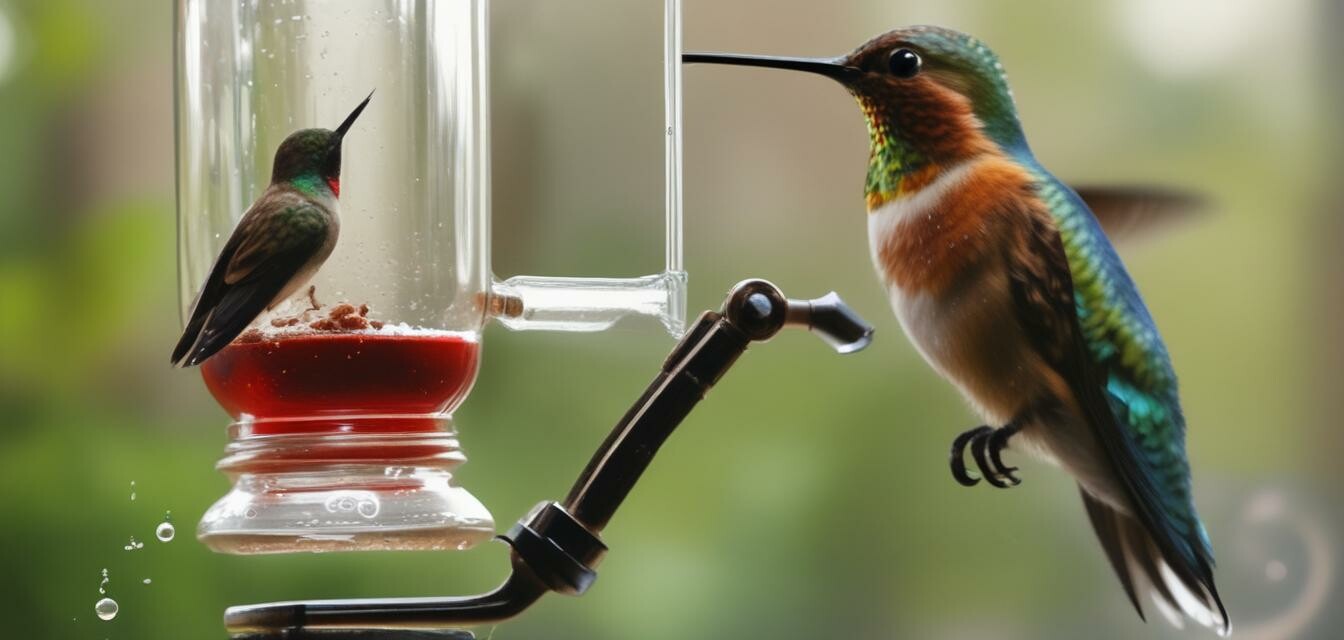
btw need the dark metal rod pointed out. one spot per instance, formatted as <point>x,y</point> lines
<point>690,372</point>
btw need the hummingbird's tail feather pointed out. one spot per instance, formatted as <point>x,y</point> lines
<point>1105,523</point>
<point>189,337</point>
<point>1176,590</point>
<point>237,308</point>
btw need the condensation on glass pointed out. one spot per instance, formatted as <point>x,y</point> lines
<point>343,438</point>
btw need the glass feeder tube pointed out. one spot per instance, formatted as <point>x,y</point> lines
<point>343,436</point>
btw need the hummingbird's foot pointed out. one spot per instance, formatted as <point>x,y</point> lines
<point>312,298</point>
<point>958,455</point>
<point>997,442</point>
<point>986,445</point>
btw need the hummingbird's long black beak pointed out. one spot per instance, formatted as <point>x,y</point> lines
<point>834,68</point>
<point>350,119</point>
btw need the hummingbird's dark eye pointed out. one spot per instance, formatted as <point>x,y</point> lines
<point>904,63</point>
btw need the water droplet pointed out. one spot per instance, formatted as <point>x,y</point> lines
<point>251,513</point>
<point>165,532</point>
<point>132,491</point>
<point>134,545</point>
<point>102,586</point>
<point>147,581</point>
<point>106,608</point>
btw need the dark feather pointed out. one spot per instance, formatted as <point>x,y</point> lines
<point>206,300</point>
<point>277,238</point>
<point>1130,212</point>
<point>1042,286</point>
<point>240,305</point>
<point>1108,532</point>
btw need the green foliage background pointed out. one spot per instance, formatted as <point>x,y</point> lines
<point>808,496</point>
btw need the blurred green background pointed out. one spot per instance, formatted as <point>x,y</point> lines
<point>809,495</point>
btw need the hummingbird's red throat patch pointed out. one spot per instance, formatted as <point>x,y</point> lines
<point>335,184</point>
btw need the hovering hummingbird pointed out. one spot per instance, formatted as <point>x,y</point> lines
<point>281,241</point>
<point>1005,282</point>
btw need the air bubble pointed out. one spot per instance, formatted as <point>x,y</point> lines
<point>106,608</point>
<point>165,531</point>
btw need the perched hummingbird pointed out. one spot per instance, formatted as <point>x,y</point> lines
<point>1005,282</point>
<point>281,241</point>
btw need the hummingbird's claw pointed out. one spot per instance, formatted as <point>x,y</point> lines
<point>979,449</point>
<point>997,442</point>
<point>958,462</point>
<point>986,445</point>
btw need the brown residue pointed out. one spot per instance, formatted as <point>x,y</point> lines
<point>341,318</point>
<point>345,317</point>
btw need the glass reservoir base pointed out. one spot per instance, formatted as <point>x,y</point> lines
<point>343,492</point>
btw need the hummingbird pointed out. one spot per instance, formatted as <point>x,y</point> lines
<point>280,242</point>
<point>1006,284</point>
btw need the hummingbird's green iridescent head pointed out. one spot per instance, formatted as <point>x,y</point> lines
<point>934,87</point>
<point>309,157</point>
<point>931,97</point>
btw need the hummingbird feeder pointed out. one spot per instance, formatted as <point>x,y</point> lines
<point>343,436</point>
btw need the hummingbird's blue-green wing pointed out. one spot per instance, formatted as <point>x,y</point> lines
<point>268,248</point>
<point>1088,320</point>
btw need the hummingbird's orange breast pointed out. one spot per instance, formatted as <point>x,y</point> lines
<point>944,253</point>
<point>926,239</point>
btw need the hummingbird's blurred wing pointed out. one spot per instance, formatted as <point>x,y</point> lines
<point>272,244</point>
<point>1086,319</point>
<point>1129,213</point>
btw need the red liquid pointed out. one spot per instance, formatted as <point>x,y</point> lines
<point>332,379</point>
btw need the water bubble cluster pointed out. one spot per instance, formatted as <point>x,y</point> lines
<point>134,545</point>
<point>106,607</point>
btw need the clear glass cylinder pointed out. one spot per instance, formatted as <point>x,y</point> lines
<point>342,396</point>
